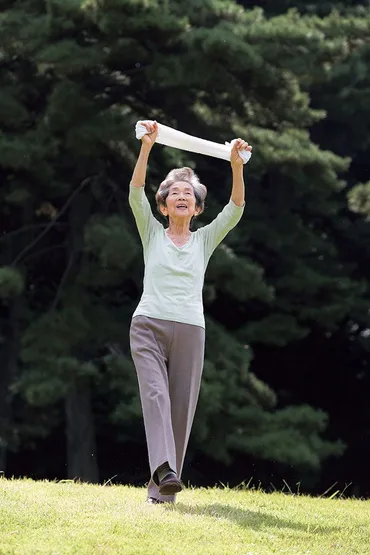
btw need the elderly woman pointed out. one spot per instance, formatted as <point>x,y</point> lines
<point>167,330</point>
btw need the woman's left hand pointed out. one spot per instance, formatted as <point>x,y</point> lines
<point>235,159</point>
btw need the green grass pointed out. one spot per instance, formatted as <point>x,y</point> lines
<point>60,518</point>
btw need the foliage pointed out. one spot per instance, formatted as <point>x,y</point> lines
<point>75,78</point>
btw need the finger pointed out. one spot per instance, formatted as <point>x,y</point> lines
<point>149,127</point>
<point>241,144</point>
<point>246,146</point>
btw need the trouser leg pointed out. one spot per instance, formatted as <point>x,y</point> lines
<point>185,366</point>
<point>149,340</point>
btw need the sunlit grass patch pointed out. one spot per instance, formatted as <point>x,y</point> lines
<point>65,517</point>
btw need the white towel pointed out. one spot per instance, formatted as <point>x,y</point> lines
<point>176,139</point>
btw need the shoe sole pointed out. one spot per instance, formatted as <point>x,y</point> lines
<point>170,488</point>
<point>153,501</point>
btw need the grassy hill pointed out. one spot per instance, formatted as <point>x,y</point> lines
<point>67,518</point>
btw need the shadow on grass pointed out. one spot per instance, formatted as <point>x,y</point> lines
<point>247,518</point>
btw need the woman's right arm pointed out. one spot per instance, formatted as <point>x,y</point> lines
<point>147,142</point>
<point>139,204</point>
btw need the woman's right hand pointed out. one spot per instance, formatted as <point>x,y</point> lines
<point>150,138</point>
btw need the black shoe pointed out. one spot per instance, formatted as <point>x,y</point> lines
<point>170,484</point>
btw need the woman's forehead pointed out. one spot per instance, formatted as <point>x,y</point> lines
<point>181,185</point>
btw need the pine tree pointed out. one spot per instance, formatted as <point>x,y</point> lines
<point>76,78</point>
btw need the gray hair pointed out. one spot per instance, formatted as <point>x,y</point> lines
<point>182,174</point>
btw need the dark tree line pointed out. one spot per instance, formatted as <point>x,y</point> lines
<point>286,383</point>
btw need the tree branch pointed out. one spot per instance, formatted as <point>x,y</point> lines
<point>62,282</point>
<point>51,224</point>
<point>43,251</point>
<point>27,228</point>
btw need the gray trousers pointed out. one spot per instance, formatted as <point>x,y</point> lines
<point>168,358</point>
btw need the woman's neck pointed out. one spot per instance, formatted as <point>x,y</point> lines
<point>178,229</point>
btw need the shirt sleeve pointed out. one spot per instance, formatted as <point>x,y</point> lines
<point>217,230</point>
<point>145,221</point>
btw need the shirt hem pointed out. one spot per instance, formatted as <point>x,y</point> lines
<point>170,317</point>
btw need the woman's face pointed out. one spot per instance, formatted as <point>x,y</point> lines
<point>181,202</point>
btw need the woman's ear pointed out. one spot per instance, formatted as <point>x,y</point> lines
<point>163,210</point>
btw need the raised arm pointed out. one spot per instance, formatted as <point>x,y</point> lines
<point>238,189</point>
<point>139,204</point>
<point>217,230</point>
<point>147,142</point>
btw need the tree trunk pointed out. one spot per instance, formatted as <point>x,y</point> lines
<point>80,430</point>
<point>9,350</point>
<point>81,445</point>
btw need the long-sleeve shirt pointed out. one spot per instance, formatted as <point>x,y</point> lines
<point>174,276</point>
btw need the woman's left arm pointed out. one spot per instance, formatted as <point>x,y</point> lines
<point>217,230</point>
<point>238,189</point>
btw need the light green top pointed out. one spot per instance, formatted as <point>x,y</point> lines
<point>174,276</point>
